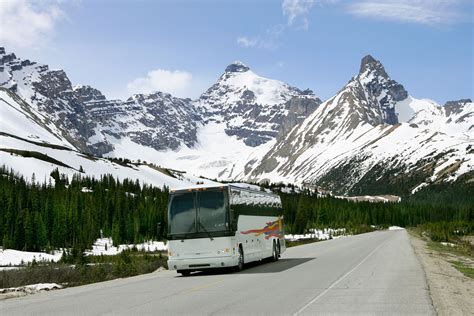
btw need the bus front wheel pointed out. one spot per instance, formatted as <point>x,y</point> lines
<point>185,273</point>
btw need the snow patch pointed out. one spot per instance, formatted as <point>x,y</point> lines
<point>10,257</point>
<point>32,288</point>
<point>104,246</point>
<point>321,234</point>
<point>395,228</point>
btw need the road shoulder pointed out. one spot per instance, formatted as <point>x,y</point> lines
<point>451,291</point>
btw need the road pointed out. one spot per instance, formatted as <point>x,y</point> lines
<point>374,273</point>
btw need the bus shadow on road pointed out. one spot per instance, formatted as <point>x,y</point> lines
<point>264,266</point>
<point>274,267</point>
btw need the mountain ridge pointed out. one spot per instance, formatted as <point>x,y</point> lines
<point>251,128</point>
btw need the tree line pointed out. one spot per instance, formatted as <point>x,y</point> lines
<point>63,213</point>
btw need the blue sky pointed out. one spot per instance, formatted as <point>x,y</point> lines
<point>182,47</point>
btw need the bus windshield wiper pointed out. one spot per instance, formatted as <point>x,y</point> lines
<point>208,234</point>
<point>184,237</point>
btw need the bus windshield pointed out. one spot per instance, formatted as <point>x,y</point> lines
<point>196,212</point>
<point>182,214</point>
<point>212,211</point>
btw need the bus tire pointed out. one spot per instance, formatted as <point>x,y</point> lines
<point>240,264</point>
<point>274,252</point>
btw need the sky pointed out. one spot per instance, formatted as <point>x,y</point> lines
<point>182,47</point>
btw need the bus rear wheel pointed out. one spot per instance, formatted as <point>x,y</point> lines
<point>240,264</point>
<point>275,253</point>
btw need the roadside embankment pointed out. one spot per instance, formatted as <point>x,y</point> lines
<point>452,292</point>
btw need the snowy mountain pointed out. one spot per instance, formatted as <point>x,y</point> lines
<point>368,138</point>
<point>370,133</point>
<point>29,146</point>
<point>91,122</point>
<point>254,108</point>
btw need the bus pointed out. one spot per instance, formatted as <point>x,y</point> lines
<point>219,226</point>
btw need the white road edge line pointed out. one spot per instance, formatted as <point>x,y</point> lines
<point>337,281</point>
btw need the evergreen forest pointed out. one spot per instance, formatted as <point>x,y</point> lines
<point>73,213</point>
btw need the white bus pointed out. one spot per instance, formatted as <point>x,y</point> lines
<point>222,226</point>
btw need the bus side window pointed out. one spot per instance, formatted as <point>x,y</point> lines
<point>233,220</point>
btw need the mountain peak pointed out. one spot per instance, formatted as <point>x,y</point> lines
<point>371,64</point>
<point>237,66</point>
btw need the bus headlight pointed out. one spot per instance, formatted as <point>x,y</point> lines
<point>226,250</point>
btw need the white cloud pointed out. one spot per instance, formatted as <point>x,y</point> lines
<point>176,82</point>
<point>299,9</point>
<point>293,9</point>
<point>269,39</point>
<point>26,25</point>
<point>245,41</point>
<point>429,12</point>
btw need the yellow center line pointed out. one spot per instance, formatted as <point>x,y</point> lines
<point>194,289</point>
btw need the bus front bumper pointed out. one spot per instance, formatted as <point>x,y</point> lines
<point>202,263</point>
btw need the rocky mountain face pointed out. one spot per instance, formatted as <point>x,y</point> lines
<point>89,120</point>
<point>254,108</point>
<point>460,116</point>
<point>156,120</point>
<point>49,92</point>
<point>376,92</point>
<point>357,139</point>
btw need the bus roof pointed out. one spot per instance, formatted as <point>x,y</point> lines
<point>238,186</point>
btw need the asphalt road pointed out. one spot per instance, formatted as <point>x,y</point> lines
<point>375,273</point>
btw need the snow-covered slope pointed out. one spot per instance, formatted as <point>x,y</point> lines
<point>17,118</point>
<point>354,140</point>
<point>28,146</point>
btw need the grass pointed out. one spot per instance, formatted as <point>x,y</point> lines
<point>467,271</point>
<point>461,251</point>
<point>457,250</point>
<point>87,270</point>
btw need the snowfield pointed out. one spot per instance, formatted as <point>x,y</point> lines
<point>216,156</point>
<point>10,257</point>
<point>92,166</point>
<point>104,246</point>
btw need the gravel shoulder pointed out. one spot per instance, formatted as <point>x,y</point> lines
<point>451,291</point>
